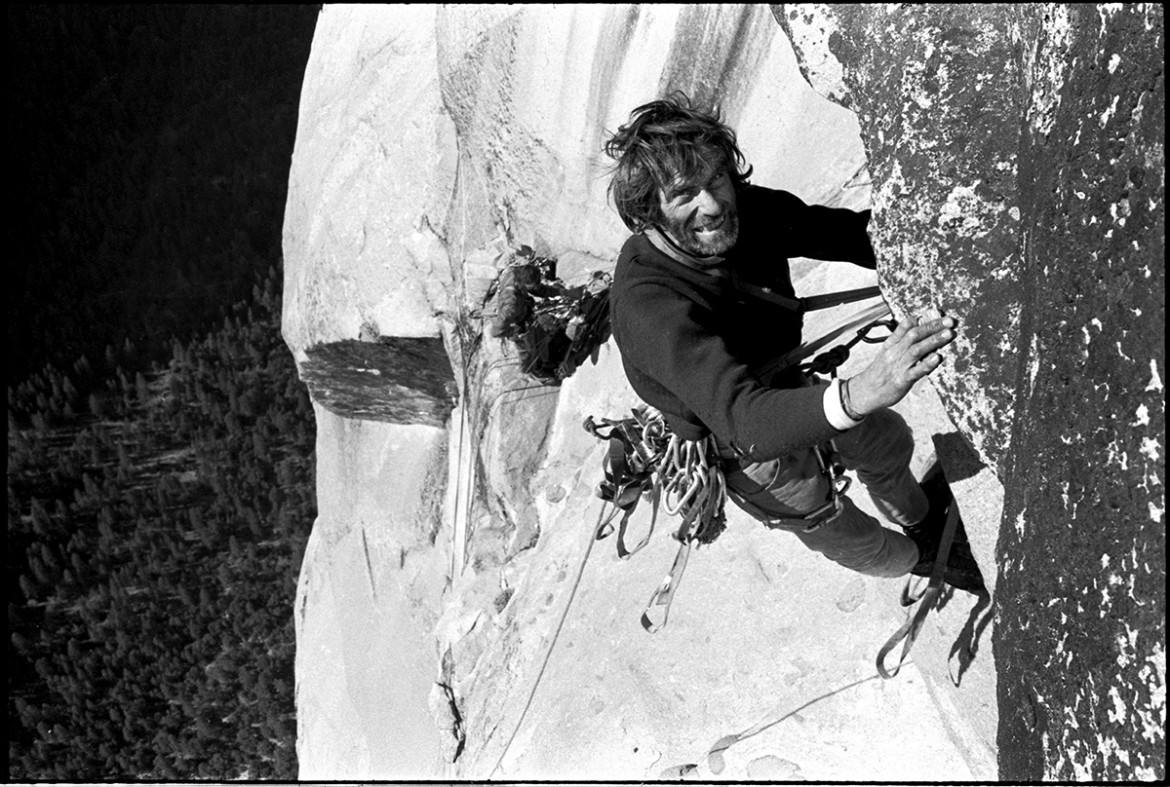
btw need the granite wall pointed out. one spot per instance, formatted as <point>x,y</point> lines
<point>1017,154</point>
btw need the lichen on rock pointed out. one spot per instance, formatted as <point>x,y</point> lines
<point>1009,146</point>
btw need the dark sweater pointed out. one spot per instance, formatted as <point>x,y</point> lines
<point>692,343</point>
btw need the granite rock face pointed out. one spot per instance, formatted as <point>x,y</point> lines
<point>1017,154</point>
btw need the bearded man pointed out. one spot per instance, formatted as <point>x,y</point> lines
<point>697,312</point>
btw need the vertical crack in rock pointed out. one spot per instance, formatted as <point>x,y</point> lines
<point>445,711</point>
<point>504,167</point>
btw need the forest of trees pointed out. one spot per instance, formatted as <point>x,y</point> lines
<point>160,443</point>
<point>155,534</point>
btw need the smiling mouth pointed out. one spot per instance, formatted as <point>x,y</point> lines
<point>712,227</point>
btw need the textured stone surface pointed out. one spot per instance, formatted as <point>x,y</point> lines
<point>372,578</point>
<point>1017,153</point>
<point>938,98</point>
<point>1086,550</point>
<point>401,380</point>
<point>370,184</point>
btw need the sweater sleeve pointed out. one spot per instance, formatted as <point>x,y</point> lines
<point>665,337</point>
<point>822,233</point>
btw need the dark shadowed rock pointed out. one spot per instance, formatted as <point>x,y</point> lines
<point>1018,160</point>
<point>939,97</point>
<point>397,379</point>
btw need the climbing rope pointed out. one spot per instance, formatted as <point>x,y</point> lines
<point>715,760</point>
<point>552,642</point>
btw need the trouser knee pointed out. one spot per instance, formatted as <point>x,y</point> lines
<point>856,541</point>
<point>882,440</point>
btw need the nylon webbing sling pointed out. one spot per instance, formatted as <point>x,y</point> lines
<point>811,303</point>
<point>873,314</point>
<point>909,630</point>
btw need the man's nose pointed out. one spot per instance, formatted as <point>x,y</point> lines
<point>707,204</point>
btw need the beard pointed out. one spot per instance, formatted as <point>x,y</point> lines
<point>706,239</point>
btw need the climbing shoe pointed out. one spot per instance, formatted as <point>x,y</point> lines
<point>935,487</point>
<point>927,533</point>
<point>961,570</point>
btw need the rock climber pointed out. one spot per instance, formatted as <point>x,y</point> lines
<point>694,340</point>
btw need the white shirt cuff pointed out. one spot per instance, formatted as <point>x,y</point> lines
<point>833,409</point>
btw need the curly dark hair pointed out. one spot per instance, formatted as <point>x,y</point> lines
<point>665,141</point>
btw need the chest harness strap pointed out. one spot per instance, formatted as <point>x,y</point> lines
<point>827,362</point>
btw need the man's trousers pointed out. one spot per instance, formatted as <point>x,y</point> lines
<point>879,450</point>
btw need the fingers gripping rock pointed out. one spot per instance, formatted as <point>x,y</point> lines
<point>911,353</point>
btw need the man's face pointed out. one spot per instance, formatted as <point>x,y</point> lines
<point>700,216</point>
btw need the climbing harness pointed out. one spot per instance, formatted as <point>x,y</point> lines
<point>828,458</point>
<point>827,362</point>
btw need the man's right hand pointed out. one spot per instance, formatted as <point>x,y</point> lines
<point>908,355</point>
